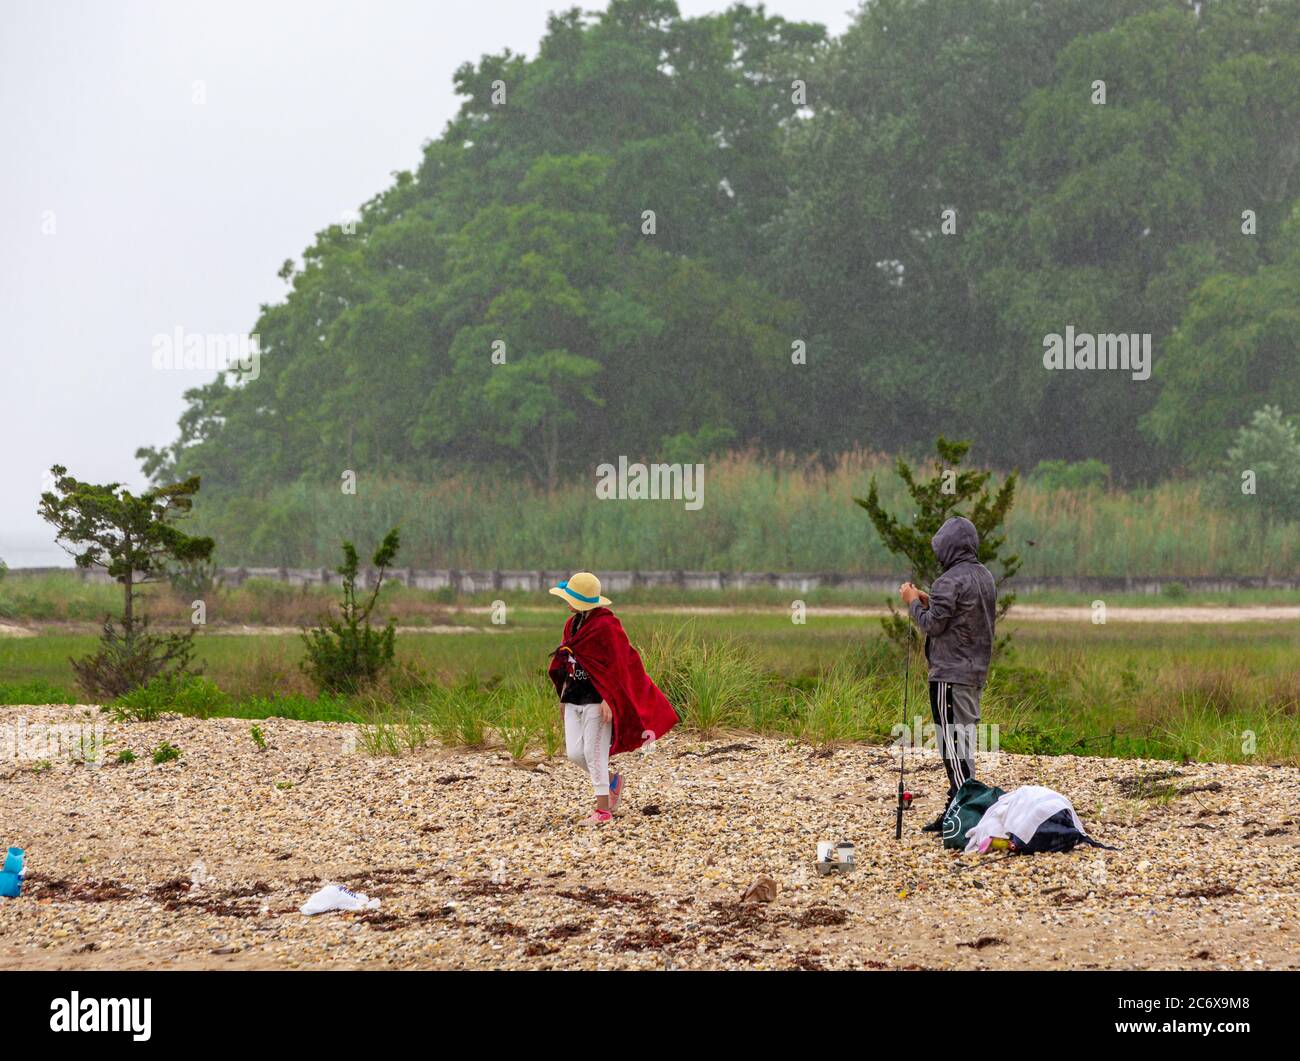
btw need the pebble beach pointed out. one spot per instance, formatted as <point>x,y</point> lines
<point>478,862</point>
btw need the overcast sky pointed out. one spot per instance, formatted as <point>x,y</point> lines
<point>128,209</point>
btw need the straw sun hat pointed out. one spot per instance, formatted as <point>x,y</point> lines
<point>581,591</point>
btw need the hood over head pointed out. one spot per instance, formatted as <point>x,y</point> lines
<point>955,541</point>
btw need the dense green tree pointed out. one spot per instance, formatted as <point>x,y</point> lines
<point>1237,347</point>
<point>1106,216</point>
<point>1123,218</point>
<point>911,208</point>
<point>1262,466</point>
<point>522,231</point>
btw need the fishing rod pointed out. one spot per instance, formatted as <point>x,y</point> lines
<point>902,749</point>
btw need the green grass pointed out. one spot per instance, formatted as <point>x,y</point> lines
<point>1149,690</point>
<point>36,691</point>
<point>60,597</point>
<point>780,514</point>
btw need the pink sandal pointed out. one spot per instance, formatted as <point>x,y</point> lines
<point>597,817</point>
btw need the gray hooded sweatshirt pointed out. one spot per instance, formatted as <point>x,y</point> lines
<point>958,625</point>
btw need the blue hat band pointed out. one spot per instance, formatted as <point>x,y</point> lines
<point>578,596</point>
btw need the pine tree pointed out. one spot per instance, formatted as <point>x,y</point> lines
<point>948,492</point>
<point>345,655</point>
<point>136,540</point>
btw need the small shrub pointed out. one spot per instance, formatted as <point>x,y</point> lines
<point>255,731</point>
<point>166,752</point>
<point>344,655</point>
<point>130,657</point>
<point>125,757</point>
<point>1173,590</point>
<point>140,705</point>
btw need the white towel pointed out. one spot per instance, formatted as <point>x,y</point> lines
<point>1020,811</point>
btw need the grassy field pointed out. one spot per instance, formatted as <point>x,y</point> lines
<point>1224,693</point>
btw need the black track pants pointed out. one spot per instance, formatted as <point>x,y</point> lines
<point>956,713</point>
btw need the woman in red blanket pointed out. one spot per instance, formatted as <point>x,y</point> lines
<point>610,705</point>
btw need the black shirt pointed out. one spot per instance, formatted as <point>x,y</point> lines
<point>578,688</point>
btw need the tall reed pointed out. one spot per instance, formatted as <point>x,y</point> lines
<point>772,514</point>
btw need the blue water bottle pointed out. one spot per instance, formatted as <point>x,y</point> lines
<point>11,877</point>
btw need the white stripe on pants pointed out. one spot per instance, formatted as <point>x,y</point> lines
<point>956,712</point>
<point>587,737</point>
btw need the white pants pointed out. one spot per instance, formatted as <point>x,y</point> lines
<point>587,738</point>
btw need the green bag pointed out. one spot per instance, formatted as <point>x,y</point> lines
<point>965,811</point>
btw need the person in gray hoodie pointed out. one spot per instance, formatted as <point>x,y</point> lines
<point>957,617</point>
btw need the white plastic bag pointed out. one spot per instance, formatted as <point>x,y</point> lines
<point>336,897</point>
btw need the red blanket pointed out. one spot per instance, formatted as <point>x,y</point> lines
<point>641,711</point>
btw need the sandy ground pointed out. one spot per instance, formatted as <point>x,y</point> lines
<point>203,862</point>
